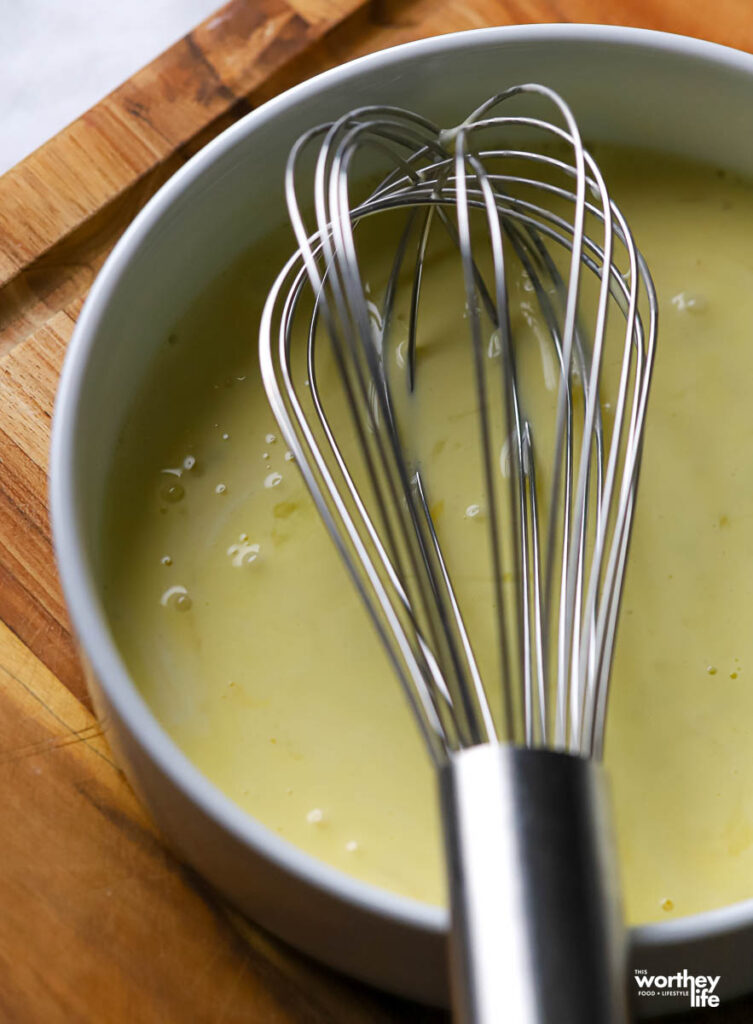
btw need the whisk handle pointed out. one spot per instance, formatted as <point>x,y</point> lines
<point>537,934</point>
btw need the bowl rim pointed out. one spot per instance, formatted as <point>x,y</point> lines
<point>85,607</point>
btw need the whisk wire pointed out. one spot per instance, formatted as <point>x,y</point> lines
<point>555,592</point>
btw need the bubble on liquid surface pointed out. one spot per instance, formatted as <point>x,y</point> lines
<point>351,846</point>
<point>315,816</point>
<point>289,457</point>
<point>473,511</point>
<point>189,462</point>
<point>270,438</point>
<point>495,345</point>
<point>688,302</point>
<point>172,491</point>
<point>242,553</point>
<point>176,597</point>
<point>273,480</point>
<point>166,560</point>
<point>220,489</point>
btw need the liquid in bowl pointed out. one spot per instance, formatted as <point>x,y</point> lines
<point>239,626</point>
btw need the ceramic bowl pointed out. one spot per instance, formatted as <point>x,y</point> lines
<point>635,87</point>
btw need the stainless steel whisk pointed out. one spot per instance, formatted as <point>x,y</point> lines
<point>536,925</point>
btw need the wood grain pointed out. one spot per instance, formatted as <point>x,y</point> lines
<point>62,209</point>
<point>100,922</point>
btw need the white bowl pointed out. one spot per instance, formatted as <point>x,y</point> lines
<point>628,85</point>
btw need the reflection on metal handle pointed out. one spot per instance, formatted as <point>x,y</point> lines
<point>537,935</point>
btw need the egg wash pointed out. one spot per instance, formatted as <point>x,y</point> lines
<point>239,625</point>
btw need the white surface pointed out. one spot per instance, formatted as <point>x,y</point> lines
<point>58,57</point>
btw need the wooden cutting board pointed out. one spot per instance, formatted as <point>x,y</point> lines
<point>98,921</point>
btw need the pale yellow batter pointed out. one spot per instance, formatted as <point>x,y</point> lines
<point>240,626</point>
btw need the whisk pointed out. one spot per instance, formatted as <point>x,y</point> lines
<point>519,205</point>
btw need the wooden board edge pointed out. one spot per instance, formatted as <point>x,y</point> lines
<point>64,205</point>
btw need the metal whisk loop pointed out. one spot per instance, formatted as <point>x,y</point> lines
<point>535,208</point>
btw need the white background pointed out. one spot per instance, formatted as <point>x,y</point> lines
<point>58,57</point>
